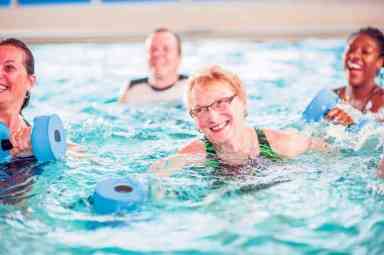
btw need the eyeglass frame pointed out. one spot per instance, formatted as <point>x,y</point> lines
<point>227,100</point>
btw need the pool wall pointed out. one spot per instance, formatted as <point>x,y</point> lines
<point>107,20</point>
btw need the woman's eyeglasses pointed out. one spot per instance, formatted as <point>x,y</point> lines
<point>218,105</point>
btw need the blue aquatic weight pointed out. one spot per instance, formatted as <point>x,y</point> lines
<point>323,102</point>
<point>47,138</point>
<point>119,195</point>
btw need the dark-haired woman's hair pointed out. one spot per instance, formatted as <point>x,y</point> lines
<point>29,61</point>
<point>374,33</point>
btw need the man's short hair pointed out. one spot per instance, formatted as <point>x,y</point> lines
<point>166,30</point>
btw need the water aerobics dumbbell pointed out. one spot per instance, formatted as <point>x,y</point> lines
<point>119,195</point>
<point>47,138</point>
<point>321,104</point>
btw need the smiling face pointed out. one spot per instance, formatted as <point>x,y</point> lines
<point>362,60</point>
<point>163,54</point>
<point>218,125</point>
<point>14,79</point>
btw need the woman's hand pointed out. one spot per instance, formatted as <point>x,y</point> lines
<point>338,116</point>
<point>20,137</point>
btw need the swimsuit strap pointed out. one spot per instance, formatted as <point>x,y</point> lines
<point>212,160</point>
<point>25,120</point>
<point>265,148</point>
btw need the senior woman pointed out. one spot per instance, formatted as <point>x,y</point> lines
<point>217,102</point>
<point>17,78</point>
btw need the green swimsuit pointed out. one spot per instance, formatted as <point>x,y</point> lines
<point>265,149</point>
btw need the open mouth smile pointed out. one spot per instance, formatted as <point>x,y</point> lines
<point>3,88</point>
<point>219,127</point>
<point>354,66</point>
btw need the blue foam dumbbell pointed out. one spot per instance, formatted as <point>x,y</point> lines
<point>322,103</point>
<point>119,195</point>
<point>47,138</point>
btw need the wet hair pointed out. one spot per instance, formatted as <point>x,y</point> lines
<point>166,30</point>
<point>29,61</point>
<point>215,74</point>
<point>375,34</point>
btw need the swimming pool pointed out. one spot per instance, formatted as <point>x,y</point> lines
<point>316,204</point>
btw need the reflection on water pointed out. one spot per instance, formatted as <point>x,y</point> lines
<point>16,179</point>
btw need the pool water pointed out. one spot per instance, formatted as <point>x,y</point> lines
<point>329,203</point>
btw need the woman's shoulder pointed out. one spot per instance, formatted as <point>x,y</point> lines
<point>377,99</point>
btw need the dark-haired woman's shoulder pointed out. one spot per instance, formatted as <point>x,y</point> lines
<point>377,99</point>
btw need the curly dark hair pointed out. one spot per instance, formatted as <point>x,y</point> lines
<point>374,33</point>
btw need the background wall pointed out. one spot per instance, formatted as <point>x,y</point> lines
<point>97,21</point>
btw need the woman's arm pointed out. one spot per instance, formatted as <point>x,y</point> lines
<point>291,144</point>
<point>192,153</point>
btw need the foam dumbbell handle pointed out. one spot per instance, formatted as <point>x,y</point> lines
<point>323,102</point>
<point>5,143</point>
<point>5,147</point>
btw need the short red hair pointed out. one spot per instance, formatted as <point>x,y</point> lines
<point>215,74</point>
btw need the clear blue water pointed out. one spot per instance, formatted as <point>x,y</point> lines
<point>316,204</point>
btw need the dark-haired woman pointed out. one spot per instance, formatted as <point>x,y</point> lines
<point>363,59</point>
<point>17,78</point>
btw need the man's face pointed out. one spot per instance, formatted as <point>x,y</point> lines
<point>163,54</point>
